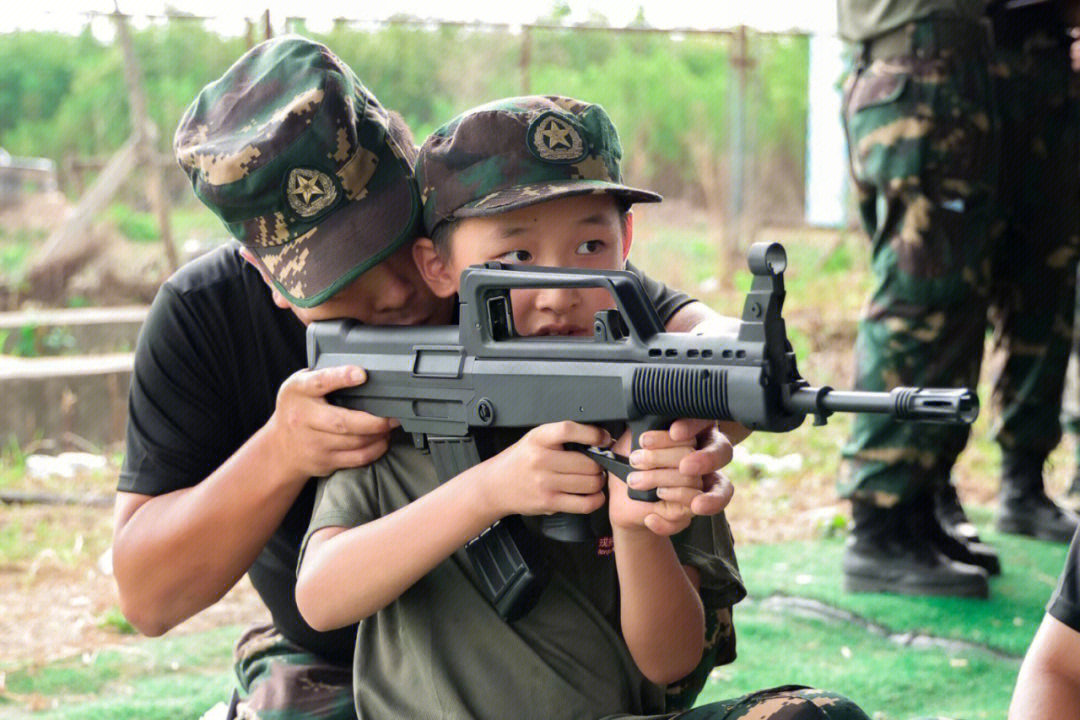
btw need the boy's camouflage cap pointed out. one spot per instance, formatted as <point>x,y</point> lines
<point>303,165</point>
<point>516,152</point>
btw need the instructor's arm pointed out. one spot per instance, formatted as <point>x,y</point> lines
<point>178,553</point>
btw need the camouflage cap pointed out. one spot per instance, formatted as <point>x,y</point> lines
<point>516,152</point>
<point>303,165</point>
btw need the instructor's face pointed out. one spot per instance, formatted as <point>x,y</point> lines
<point>391,293</point>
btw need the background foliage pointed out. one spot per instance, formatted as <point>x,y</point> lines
<point>64,96</point>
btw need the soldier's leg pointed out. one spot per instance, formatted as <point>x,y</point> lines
<point>921,138</point>
<point>280,681</point>
<point>783,703</point>
<point>1034,294</point>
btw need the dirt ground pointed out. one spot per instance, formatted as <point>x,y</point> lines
<point>61,601</point>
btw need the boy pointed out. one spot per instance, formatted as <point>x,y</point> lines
<point>527,180</point>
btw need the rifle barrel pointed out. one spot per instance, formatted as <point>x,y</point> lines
<point>904,403</point>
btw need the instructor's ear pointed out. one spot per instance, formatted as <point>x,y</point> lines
<point>434,268</point>
<point>628,234</point>
<point>279,299</point>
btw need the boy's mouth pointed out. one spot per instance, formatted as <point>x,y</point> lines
<point>564,330</point>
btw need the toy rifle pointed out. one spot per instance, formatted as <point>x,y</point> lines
<point>449,385</point>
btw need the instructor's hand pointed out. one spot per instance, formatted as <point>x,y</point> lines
<point>316,437</point>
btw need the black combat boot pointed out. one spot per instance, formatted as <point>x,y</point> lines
<point>884,555</point>
<point>950,513</point>
<point>923,520</point>
<point>1024,508</point>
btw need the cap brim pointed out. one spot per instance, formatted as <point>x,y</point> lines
<point>525,195</point>
<point>346,243</point>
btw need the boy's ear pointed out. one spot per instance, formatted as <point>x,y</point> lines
<point>628,234</point>
<point>279,299</point>
<point>434,268</point>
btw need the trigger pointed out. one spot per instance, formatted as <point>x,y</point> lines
<point>617,465</point>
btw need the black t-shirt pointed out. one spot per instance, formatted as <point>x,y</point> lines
<point>210,358</point>
<point>1065,602</point>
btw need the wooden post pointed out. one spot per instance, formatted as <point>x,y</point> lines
<point>71,244</point>
<point>268,29</point>
<point>146,134</point>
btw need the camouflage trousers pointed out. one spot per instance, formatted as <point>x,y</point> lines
<point>281,681</point>
<point>964,158</point>
<point>791,702</point>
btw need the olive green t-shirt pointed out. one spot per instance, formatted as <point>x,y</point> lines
<point>442,651</point>
<point>860,20</point>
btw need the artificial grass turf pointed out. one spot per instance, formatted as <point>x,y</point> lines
<point>1005,622</point>
<point>888,680</point>
<point>180,677</point>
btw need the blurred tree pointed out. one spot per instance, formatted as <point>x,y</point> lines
<point>670,96</point>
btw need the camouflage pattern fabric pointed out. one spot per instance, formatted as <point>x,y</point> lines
<point>790,702</point>
<point>303,165</point>
<point>719,650</point>
<point>282,681</point>
<point>969,208</point>
<point>517,152</point>
<point>1039,240</point>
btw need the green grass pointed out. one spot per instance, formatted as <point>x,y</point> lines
<point>1004,622</point>
<point>16,248</point>
<point>196,221</point>
<point>177,677</point>
<point>181,677</point>
<point>887,680</point>
<point>134,224</point>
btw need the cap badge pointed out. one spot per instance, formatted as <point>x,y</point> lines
<point>309,191</point>
<point>553,138</point>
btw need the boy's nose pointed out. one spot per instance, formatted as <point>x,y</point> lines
<point>558,300</point>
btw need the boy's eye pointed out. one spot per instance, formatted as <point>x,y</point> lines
<point>516,257</point>
<point>590,247</point>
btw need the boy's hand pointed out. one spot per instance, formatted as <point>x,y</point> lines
<point>316,437</point>
<point>538,476</point>
<point>660,467</point>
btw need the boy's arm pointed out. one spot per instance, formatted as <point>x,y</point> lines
<point>535,476</point>
<point>388,554</point>
<point>1048,685</point>
<point>699,317</point>
<point>661,613</point>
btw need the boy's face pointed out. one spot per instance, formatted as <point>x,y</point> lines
<point>583,231</point>
<point>391,293</point>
